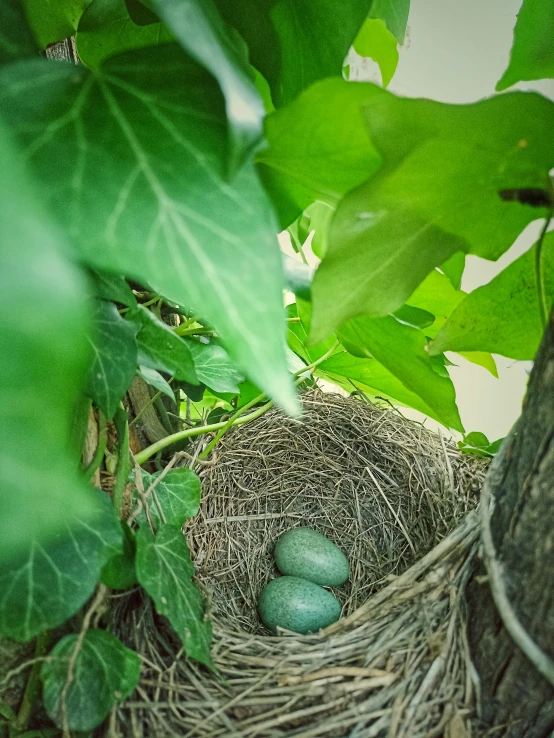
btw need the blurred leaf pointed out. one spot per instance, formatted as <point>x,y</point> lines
<point>414,316</point>
<point>478,444</point>
<point>298,277</point>
<point>481,358</point>
<point>202,32</point>
<point>43,323</point>
<point>161,348</point>
<point>155,379</point>
<point>46,586</point>
<point>106,29</point>
<point>153,202</point>
<point>502,316</point>
<point>319,148</point>
<point>140,14</point>
<point>213,366</point>
<point>52,22</point>
<point>308,351</point>
<point>114,360</point>
<point>165,571</point>
<point>532,55</point>
<point>375,41</point>
<point>16,38</point>
<point>454,267</point>
<point>119,571</point>
<point>436,195</point>
<point>319,215</point>
<point>402,350</point>
<point>104,673</point>
<point>437,296</point>
<point>178,494</point>
<point>112,287</point>
<point>394,13</point>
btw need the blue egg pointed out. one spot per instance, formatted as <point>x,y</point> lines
<point>303,552</point>
<point>298,605</point>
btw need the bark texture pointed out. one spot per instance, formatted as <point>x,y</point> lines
<point>515,698</point>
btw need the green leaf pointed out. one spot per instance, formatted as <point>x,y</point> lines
<point>106,29</point>
<point>119,571</point>
<point>414,316</point>
<point>113,287</point>
<point>532,55</point>
<point>155,379</point>
<point>503,316</point>
<point>318,146</point>
<point>453,268</point>
<point>152,201</point>
<point>178,494</point>
<point>375,41</point>
<point>299,277</point>
<point>161,348</point>
<point>319,215</point>
<point>301,346</point>
<point>140,14</point>
<point>42,363</point>
<point>46,586</point>
<point>165,571</point>
<point>437,194</point>
<point>104,673</point>
<point>213,366</point>
<point>114,361</point>
<point>16,38</point>
<point>52,22</point>
<point>402,350</point>
<point>478,444</point>
<point>394,13</point>
<point>437,296</point>
<point>481,358</point>
<point>202,32</point>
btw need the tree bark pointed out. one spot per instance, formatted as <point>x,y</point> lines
<point>515,698</point>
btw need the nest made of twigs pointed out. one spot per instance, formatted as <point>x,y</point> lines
<point>397,499</point>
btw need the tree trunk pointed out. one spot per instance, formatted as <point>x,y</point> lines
<point>514,695</point>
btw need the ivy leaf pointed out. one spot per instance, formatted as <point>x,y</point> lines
<point>16,39</point>
<point>112,287</point>
<point>42,323</point>
<point>46,586</point>
<point>114,357</point>
<point>503,316</point>
<point>402,350</point>
<point>532,55</point>
<point>152,201</point>
<point>106,29</point>
<point>375,41</point>
<point>214,367</point>
<point>161,348</point>
<point>318,147</point>
<point>394,13</point>
<point>155,379</point>
<point>165,571</point>
<point>478,444</point>
<point>436,195</point>
<point>119,571</point>
<point>202,32</point>
<point>52,22</point>
<point>178,494</point>
<point>104,673</point>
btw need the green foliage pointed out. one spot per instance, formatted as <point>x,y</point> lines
<point>104,672</point>
<point>155,379</point>
<point>454,269</point>
<point>52,22</point>
<point>50,582</point>
<point>376,42</point>
<point>112,287</point>
<point>394,13</point>
<point>119,570</point>
<point>532,55</point>
<point>213,366</point>
<point>16,38</point>
<point>177,495</point>
<point>165,571</point>
<point>477,444</point>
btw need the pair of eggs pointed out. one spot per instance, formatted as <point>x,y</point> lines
<point>297,601</point>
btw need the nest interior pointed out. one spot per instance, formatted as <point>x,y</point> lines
<point>397,499</point>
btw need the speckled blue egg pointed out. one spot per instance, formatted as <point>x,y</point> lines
<point>298,605</point>
<point>303,552</point>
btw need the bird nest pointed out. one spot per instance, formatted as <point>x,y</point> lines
<point>398,500</point>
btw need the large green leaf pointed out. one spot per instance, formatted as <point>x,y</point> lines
<point>318,146</point>
<point>213,366</point>
<point>54,21</point>
<point>202,32</point>
<point>503,316</point>
<point>178,495</point>
<point>43,360</point>
<point>140,157</point>
<point>48,584</point>
<point>114,357</point>
<point>394,13</point>
<point>375,41</point>
<point>104,672</point>
<point>532,55</point>
<point>294,43</point>
<point>106,29</point>
<point>402,350</point>
<point>165,571</point>
<point>437,194</point>
<point>16,38</point>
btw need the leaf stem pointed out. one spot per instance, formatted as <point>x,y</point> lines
<point>238,418</point>
<point>33,685</point>
<point>100,448</point>
<point>544,308</point>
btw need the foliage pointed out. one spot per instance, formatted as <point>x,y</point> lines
<point>141,195</point>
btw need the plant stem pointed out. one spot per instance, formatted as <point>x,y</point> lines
<point>33,685</point>
<point>146,406</point>
<point>544,308</point>
<point>123,462</point>
<point>238,418</point>
<point>100,448</point>
<point>184,330</point>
